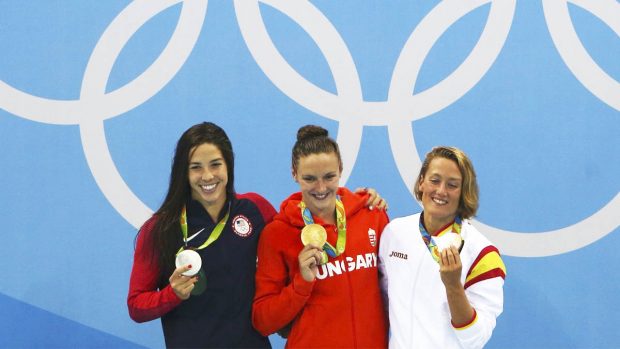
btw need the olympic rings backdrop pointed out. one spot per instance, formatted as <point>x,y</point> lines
<point>94,95</point>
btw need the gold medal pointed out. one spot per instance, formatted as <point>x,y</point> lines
<point>313,234</point>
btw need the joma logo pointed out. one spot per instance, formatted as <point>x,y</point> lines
<point>398,255</point>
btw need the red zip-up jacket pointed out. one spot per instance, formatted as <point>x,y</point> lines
<point>343,306</point>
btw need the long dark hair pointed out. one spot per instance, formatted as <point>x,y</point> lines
<point>167,236</point>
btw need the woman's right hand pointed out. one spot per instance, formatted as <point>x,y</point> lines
<point>309,260</point>
<point>182,285</point>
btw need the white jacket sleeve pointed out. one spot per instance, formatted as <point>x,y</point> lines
<point>487,298</point>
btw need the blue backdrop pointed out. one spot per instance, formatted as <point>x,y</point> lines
<point>94,95</point>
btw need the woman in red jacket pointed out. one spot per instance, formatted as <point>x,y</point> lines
<point>206,305</point>
<point>327,290</point>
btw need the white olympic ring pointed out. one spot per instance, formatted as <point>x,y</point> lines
<point>95,80</point>
<point>94,105</point>
<point>452,87</point>
<point>295,86</point>
<point>108,105</point>
<point>607,90</point>
<point>401,108</point>
<point>572,51</point>
<point>347,106</point>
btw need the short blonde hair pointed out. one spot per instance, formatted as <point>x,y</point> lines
<point>468,202</point>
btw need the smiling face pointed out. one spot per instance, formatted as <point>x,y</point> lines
<point>208,177</point>
<point>318,176</point>
<point>441,192</point>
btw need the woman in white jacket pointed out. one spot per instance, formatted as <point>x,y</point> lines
<point>443,279</point>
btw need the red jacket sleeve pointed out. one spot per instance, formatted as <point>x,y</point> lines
<point>277,300</point>
<point>144,301</point>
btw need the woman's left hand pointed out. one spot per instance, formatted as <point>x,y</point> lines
<point>461,311</point>
<point>450,267</point>
<point>374,199</point>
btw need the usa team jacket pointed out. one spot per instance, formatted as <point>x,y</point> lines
<point>342,307</point>
<point>418,306</point>
<point>221,316</point>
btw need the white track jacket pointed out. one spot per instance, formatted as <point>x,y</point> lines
<point>416,298</point>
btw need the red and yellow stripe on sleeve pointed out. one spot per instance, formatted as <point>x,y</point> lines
<point>487,265</point>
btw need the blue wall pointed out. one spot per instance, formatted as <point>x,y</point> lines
<point>93,96</point>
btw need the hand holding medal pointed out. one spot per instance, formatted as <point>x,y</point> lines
<point>447,246</point>
<point>192,259</point>
<point>309,259</point>
<point>182,285</point>
<point>189,257</point>
<point>447,240</point>
<point>313,236</point>
<point>450,267</point>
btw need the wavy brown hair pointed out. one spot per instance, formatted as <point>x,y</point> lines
<point>468,202</point>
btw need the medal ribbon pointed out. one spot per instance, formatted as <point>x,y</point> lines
<point>215,234</point>
<point>430,242</point>
<point>341,224</point>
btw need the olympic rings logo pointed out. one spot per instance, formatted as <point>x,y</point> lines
<point>347,106</point>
